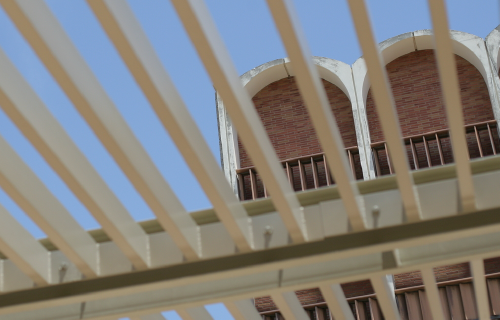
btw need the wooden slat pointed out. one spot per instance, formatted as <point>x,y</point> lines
<point>314,168</point>
<point>386,108</point>
<point>40,127</point>
<point>385,297</point>
<point>403,310</point>
<point>320,313</point>
<point>351,163</point>
<point>424,304</point>
<point>327,172</point>
<point>468,301</point>
<point>121,26</point>
<point>491,140</point>
<point>319,108</point>
<point>440,149</point>
<point>289,306</point>
<point>335,298</point>
<point>198,313</point>
<point>494,290</point>
<point>303,182</point>
<point>46,36</point>
<point>391,171</point>
<point>374,309</point>
<point>453,104</point>
<point>413,305</point>
<point>478,140</point>
<point>241,186</point>
<point>437,306</point>
<point>455,302</point>
<point>414,154</point>
<point>480,289</point>
<point>377,162</point>
<point>202,31</point>
<point>443,298</point>
<point>253,184</point>
<point>427,152</point>
<point>360,310</point>
<point>243,310</point>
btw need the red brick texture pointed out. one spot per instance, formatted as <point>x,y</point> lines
<point>416,87</point>
<point>287,121</point>
<point>415,84</point>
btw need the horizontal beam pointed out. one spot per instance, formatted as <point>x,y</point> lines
<point>249,274</point>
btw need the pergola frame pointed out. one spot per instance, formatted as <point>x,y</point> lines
<point>182,261</point>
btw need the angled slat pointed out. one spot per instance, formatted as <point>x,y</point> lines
<point>289,306</point>
<point>319,108</point>
<point>198,313</point>
<point>201,29</point>
<point>374,309</point>
<point>337,303</point>
<point>386,108</point>
<point>385,297</point>
<point>413,304</point>
<point>149,317</point>
<point>17,244</point>
<point>124,30</point>
<point>453,102</point>
<point>469,300</point>
<point>54,48</point>
<point>36,122</point>
<point>33,197</point>
<point>243,310</point>
<point>432,294</point>
<point>480,289</point>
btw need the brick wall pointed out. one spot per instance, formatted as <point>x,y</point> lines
<point>287,122</point>
<point>415,84</point>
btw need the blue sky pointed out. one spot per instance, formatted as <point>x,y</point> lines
<point>251,38</point>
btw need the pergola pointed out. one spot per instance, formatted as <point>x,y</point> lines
<point>181,261</point>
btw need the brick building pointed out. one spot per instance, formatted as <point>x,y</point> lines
<point>414,79</point>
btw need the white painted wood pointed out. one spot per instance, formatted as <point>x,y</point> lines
<point>119,22</point>
<point>434,206</point>
<point>215,241</point>
<point>385,297</point>
<point>198,313</point>
<point>33,197</point>
<point>54,48</point>
<point>201,29</point>
<point>386,108</point>
<point>480,289</point>
<point>149,317</point>
<point>23,249</point>
<point>33,118</point>
<point>337,303</point>
<point>453,103</point>
<point>319,108</point>
<point>243,310</point>
<point>289,306</point>
<point>432,293</point>
<point>12,278</point>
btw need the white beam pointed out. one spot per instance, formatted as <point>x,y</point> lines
<point>480,289</point>
<point>202,31</point>
<point>54,48</point>
<point>432,293</point>
<point>149,317</point>
<point>33,197</point>
<point>289,306</point>
<point>453,102</point>
<point>197,313</point>
<point>243,310</point>
<point>385,297</point>
<point>124,30</point>
<point>319,108</point>
<point>23,249</point>
<point>386,108</point>
<point>28,112</point>
<point>335,298</point>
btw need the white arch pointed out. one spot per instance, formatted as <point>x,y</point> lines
<point>336,72</point>
<point>468,46</point>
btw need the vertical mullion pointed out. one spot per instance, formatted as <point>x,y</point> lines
<point>315,173</point>
<point>253,184</point>
<point>427,153</point>
<point>241,187</point>
<point>388,158</point>
<point>377,162</point>
<point>478,139</point>
<point>302,176</point>
<point>351,163</point>
<point>491,139</point>
<point>327,172</point>
<point>414,154</point>
<point>440,149</point>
